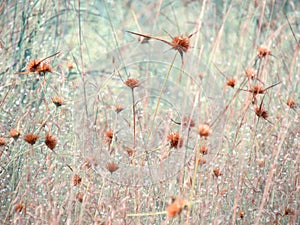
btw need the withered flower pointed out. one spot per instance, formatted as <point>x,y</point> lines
<point>15,134</point>
<point>230,82</point>
<point>263,51</point>
<point>175,208</point>
<point>79,197</point>
<point>204,130</point>
<point>251,73</point>
<point>132,83</point>
<point>50,141</point>
<point>2,141</point>
<point>58,101</point>
<point>217,172</point>
<point>175,140</point>
<point>187,122</point>
<point>108,137</point>
<point>291,103</point>
<point>112,167</point>
<point>76,179</point>
<point>19,208</point>
<point>31,138</point>
<point>203,150</point>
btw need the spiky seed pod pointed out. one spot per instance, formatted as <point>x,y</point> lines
<point>187,122</point>
<point>204,130</point>
<point>76,179</point>
<point>181,43</point>
<point>132,83</point>
<point>251,73</point>
<point>19,208</point>
<point>175,208</point>
<point>108,137</point>
<point>34,66</point>
<point>203,150</point>
<point>291,103</point>
<point>118,108</point>
<point>257,89</point>
<point>79,197</point>
<point>230,82</point>
<point>15,134</point>
<point>58,101</point>
<point>31,138</point>
<point>263,51</point>
<point>44,68</point>
<point>217,172</point>
<point>201,161</point>
<point>261,112</point>
<point>50,141</point>
<point>2,141</point>
<point>175,140</point>
<point>112,167</point>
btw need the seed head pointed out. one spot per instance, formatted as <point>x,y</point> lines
<point>118,108</point>
<point>251,73</point>
<point>19,208</point>
<point>230,82</point>
<point>291,103</point>
<point>181,43</point>
<point>241,214</point>
<point>2,141</point>
<point>257,89</point>
<point>79,197</point>
<point>112,167</point>
<point>76,179</point>
<point>15,134</point>
<point>31,138</point>
<point>70,66</point>
<point>108,137</point>
<point>129,151</point>
<point>261,112</point>
<point>175,208</point>
<point>132,83</point>
<point>201,161</point>
<point>175,139</point>
<point>50,141</point>
<point>58,101</point>
<point>203,150</point>
<point>187,122</point>
<point>217,172</point>
<point>204,130</point>
<point>263,51</point>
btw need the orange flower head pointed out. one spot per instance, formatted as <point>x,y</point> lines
<point>50,141</point>
<point>175,139</point>
<point>76,179</point>
<point>15,134</point>
<point>132,83</point>
<point>263,51</point>
<point>112,167</point>
<point>31,138</point>
<point>175,208</point>
<point>204,130</point>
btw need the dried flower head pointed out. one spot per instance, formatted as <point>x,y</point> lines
<point>261,162</point>
<point>289,211</point>
<point>70,66</point>
<point>203,150</point>
<point>108,137</point>
<point>176,206</point>
<point>112,167</point>
<point>257,89</point>
<point>2,141</point>
<point>58,101</point>
<point>15,134</point>
<point>76,179</point>
<point>50,141</point>
<point>204,130</point>
<point>129,151</point>
<point>181,43</point>
<point>261,112</point>
<point>39,66</point>
<point>263,51</point>
<point>187,122</point>
<point>175,140</point>
<point>132,83</point>
<point>251,73</point>
<point>19,208</point>
<point>79,197</point>
<point>291,103</point>
<point>201,161</point>
<point>118,108</point>
<point>230,82</point>
<point>31,138</point>
<point>241,214</point>
<point>217,172</point>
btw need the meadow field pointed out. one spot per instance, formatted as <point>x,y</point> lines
<point>150,112</point>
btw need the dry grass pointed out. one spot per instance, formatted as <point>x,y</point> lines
<point>123,131</point>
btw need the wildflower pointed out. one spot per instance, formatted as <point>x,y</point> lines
<point>261,112</point>
<point>58,101</point>
<point>230,82</point>
<point>38,66</point>
<point>19,208</point>
<point>175,139</point>
<point>50,141</point>
<point>291,103</point>
<point>2,141</point>
<point>250,73</point>
<point>15,134</point>
<point>76,179</point>
<point>203,150</point>
<point>187,122</point>
<point>217,172</point>
<point>129,151</point>
<point>108,137</point>
<point>132,83</point>
<point>204,130</point>
<point>79,197</point>
<point>112,167</point>
<point>31,138</point>
<point>201,161</point>
<point>263,51</point>
<point>118,108</point>
<point>175,208</point>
